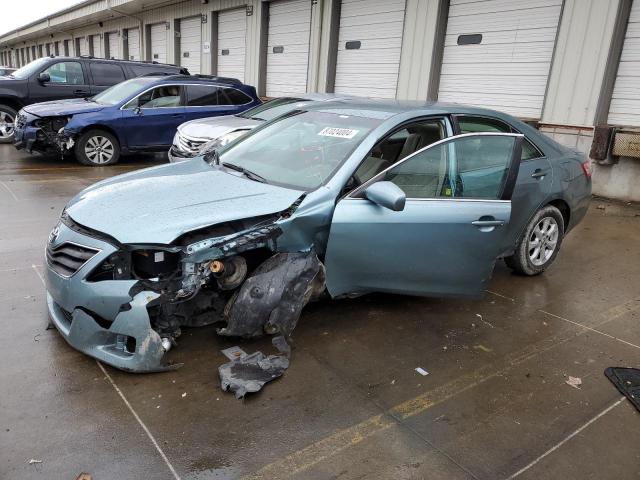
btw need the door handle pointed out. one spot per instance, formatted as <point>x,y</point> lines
<point>488,223</point>
<point>80,93</point>
<point>176,115</point>
<point>539,173</point>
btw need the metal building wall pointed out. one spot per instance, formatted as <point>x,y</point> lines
<point>580,57</point>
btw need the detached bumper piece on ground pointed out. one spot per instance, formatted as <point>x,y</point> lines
<point>249,373</point>
<point>627,381</point>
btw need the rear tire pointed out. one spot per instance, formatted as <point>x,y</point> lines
<point>7,123</point>
<point>539,244</point>
<point>97,148</point>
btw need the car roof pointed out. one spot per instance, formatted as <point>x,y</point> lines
<point>384,109</point>
<point>114,60</point>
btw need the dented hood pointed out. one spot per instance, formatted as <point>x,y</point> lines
<point>63,107</point>
<point>157,205</point>
<point>215,127</point>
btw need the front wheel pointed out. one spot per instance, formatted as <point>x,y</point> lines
<point>539,244</point>
<point>97,148</point>
<point>7,121</point>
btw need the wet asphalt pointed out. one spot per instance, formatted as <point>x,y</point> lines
<point>495,403</point>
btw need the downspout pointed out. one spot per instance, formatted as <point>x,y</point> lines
<point>143,38</point>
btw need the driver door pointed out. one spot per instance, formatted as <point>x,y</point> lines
<point>446,239</point>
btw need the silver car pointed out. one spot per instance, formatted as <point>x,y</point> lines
<point>215,132</point>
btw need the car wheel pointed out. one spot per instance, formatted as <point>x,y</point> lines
<point>97,148</point>
<point>539,244</point>
<point>7,119</point>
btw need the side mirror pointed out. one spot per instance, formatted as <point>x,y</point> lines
<point>137,111</point>
<point>387,195</point>
<point>44,77</point>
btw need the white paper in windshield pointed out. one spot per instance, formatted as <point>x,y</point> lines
<point>338,132</point>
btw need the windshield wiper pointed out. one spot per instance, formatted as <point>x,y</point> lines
<point>247,173</point>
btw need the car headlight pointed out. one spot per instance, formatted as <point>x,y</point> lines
<point>230,137</point>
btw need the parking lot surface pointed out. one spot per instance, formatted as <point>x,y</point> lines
<point>494,404</point>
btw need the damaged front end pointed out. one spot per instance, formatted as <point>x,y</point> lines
<point>129,303</point>
<point>44,134</point>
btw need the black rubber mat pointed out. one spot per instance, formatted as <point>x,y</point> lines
<point>627,381</point>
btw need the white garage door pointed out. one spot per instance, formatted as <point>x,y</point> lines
<point>159,43</point>
<point>369,45</point>
<point>625,102</point>
<point>190,40</point>
<point>232,33</point>
<point>114,45</point>
<point>288,47</point>
<point>133,43</point>
<point>96,43</point>
<point>498,54</point>
<point>82,42</point>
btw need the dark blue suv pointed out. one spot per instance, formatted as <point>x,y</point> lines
<point>141,114</point>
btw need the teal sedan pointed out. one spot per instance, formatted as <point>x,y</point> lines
<point>341,198</point>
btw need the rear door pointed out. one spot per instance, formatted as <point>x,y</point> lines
<point>68,79</point>
<point>535,176</point>
<point>446,239</point>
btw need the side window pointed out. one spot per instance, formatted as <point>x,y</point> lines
<point>235,97</point>
<point>397,146</point>
<point>69,73</point>
<point>478,124</point>
<point>202,95</point>
<point>166,96</point>
<point>469,167</point>
<point>106,74</point>
<point>529,152</point>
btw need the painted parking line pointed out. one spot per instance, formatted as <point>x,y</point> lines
<point>6,187</point>
<point>595,330</point>
<point>333,444</point>
<point>129,406</point>
<point>140,422</point>
<point>567,438</point>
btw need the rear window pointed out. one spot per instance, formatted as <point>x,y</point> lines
<point>106,74</point>
<point>235,97</point>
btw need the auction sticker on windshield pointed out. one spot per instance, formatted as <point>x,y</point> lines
<point>338,132</point>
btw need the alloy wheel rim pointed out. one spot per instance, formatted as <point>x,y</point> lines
<point>543,241</point>
<point>6,125</point>
<point>99,149</point>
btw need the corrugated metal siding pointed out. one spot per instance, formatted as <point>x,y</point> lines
<point>372,69</point>
<point>96,43</point>
<point>625,101</point>
<point>114,45</point>
<point>509,69</point>
<point>576,78</point>
<point>159,43</point>
<point>133,43</point>
<point>288,47</point>
<point>418,44</point>
<point>232,47</point>
<point>190,41</point>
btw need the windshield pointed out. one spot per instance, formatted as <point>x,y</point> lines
<point>271,109</point>
<point>301,150</point>
<point>29,69</point>
<point>121,91</point>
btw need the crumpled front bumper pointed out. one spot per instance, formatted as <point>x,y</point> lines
<point>25,137</point>
<point>101,319</point>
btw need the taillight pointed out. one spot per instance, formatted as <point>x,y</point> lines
<point>586,169</point>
